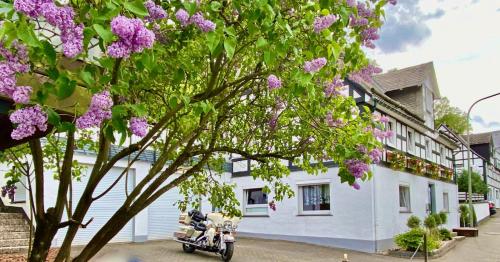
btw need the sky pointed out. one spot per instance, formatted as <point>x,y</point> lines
<point>461,37</point>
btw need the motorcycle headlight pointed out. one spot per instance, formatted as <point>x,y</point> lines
<point>228,225</point>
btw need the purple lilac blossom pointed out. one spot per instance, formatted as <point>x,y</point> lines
<point>356,186</point>
<point>273,121</point>
<point>99,110</point>
<point>134,37</point>
<point>183,17</point>
<point>356,167</point>
<point>28,120</point>
<point>364,11</point>
<point>393,2</point>
<point>368,35</point>
<point>22,94</point>
<point>138,126</point>
<point>273,82</point>
<point>351,3</point>
<point>323,22</point>
<point>375,155</point>
<point>29,7</point>
<point>357,21</point>
<point>333,88</point>
<point>202,23</point>
<point>365,74</point>
<point>331,122</point>
<point>12,64</point>
<point>60,17</point>
<point>155,11</point>
<point>314,65</point>
<point>362,149</point>
<point>384,119</point>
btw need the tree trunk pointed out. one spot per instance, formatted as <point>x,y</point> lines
<point>105,234</point>
<point>44,233</point>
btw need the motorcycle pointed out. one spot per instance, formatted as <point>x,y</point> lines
<point>212,232</point>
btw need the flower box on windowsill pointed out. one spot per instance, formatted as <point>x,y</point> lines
<point>416,165</point>
<point>397,160</point>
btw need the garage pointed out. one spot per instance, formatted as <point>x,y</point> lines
<point>163,216</point>
<point>102,209</point>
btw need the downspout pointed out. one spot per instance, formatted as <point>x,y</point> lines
<point>374,202</point>
<point>485,177</point>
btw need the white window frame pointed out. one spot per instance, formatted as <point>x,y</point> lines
<point>410,145</point>
<point>442,155</point>
<point>247,206</point>
<point>392,125</point>
<point>300,185</point>
<point>446,204</point>
<point>428,148</point>
<point>404,209</point>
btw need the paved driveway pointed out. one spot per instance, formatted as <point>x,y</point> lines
<point>485,248</point>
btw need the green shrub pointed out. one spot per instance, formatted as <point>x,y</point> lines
<point>444,234</point>
<point>430,222</point>
<point>413,222</point>
<point>464,216</point>
<point>444,217</point>
<point>412,239</point>
<point>437,218</point>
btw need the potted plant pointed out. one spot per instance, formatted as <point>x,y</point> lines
<point>416,165</point>
<point>397,160</point>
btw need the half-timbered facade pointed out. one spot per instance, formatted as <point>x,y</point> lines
<point>326,212</point>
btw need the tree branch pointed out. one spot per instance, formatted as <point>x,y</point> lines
<point>37,154</point>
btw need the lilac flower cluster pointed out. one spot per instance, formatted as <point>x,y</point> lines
<point>197,19</point>
<point>60,17</point>
<point>99,110</point>
<point>362,149</point>
<point>134,37</point>
<point>273,82</point>
<point>364,10</point>
<point>356,167</point>
<point>356,186</point>
<point>314,65</point>
<point>368,35</point>
<point>9,67</point>
<point>333,88</point>
<point>357,21</point>
<point>375,155</point>
<point>155,11</point>
<point>393,2</point>
<point>323,22</point>
<point>28,120</point>
<point>365,74</point>
<point>9,191</point>
<point>351,3</point>
<point>380,134</point>
<point>273,121</point>
<point>330,121</point>
<point>138,126</point>
<point>31,8</point>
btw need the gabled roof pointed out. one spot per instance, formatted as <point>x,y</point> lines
<point>408,77</point>
<point>480,138</point>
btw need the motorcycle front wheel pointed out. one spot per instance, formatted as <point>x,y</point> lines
<point>228,253</point>
<point>188,248</point>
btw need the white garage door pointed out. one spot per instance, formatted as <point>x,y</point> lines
<point>164,216</point>
<point>102,209</point>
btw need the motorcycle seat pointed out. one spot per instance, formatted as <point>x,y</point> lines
<point>200,226</point>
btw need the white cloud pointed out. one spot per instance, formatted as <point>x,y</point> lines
<point>465,46</point>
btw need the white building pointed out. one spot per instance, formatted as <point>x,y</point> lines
<point>329,213</point>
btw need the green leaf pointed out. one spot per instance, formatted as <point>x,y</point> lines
<point>66,87</point>
<point>190,7</point>
<point>229,46</point>
<point>261,42</point>
<point>87,77</point>
<point>49,52</point>
<point>137,7</point>
<point>104,33</point>
<point>27,35</point>
<point>212,41</point>
<point>215,6</point>
<point>53,117</point>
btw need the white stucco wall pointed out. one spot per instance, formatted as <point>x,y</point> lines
<point>482,210</point>
<point>390,221</point>
<point>370,215</point>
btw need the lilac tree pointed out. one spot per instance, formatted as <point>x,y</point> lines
<point>194,80</point>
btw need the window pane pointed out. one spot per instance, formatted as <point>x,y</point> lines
<point>446,203</point>
<point>404,198</point>
<point>316,197</point>
<point>250,210</point>
<point>256,196</point>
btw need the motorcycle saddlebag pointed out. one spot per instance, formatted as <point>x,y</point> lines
<point>184,219</point>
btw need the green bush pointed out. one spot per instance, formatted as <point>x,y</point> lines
<point>478,184</point>
<point>412,239</point>
<point>444,234</point>
<point>464,216</point>
<point>430,222</point>
<point>444,217</point>
<point>437,218</point>
<point>413,222</point>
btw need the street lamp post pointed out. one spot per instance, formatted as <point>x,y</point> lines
<point>469,167</point>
